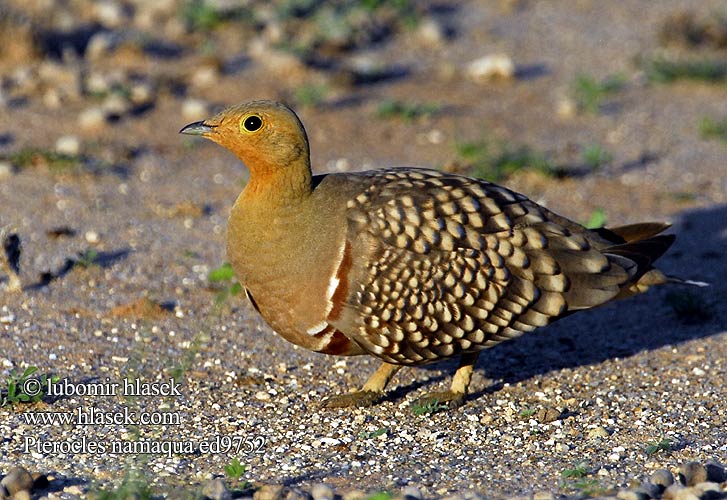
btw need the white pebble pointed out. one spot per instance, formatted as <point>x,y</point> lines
<point>92,237</point>
<point>68,145</point>
<point>6,169</point>
<point>195,109</point>
<point>489,67</point>
<point>92,119</point>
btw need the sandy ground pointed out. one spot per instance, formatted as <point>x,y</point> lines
<point>622,377</point>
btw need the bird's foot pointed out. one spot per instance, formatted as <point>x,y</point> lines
<point>438,401</point>
<point>360,399</point>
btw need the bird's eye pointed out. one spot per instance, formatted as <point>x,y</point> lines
<point>251,123</point>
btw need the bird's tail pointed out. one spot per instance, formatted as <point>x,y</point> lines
<point>635,248</point>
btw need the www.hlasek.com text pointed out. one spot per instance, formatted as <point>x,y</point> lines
<point>94,416</point>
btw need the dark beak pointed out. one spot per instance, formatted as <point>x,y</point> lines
<point>197,128</point>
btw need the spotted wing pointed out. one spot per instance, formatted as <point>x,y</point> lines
<point>437,265</point>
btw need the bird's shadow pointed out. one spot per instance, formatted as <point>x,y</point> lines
<point>624,328</point>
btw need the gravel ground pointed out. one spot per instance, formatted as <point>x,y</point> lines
<point>121,221</point>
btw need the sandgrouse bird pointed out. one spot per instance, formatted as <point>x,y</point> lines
<point>409,265</point>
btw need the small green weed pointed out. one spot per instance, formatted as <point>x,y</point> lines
<point>373,434</point>
<point>234,469</point>
<point>496,165</point>
<point>666,445</point>
<point>710,128</point>
<point>225,276</point>
<point>689,307</point>
<point>198,15</point>
<point>589,487</point>
<point>134,485</point>
<point>595,156</point>
<point>380,495</point>
<point>407,111</point>
<point>528,412</point>
<point>597,219</point>
<point>39,157</point>
<point>311,95</point>
<point>88,258</point>
<point>590,93</point>
<point>580,470</point>
<point>666,71</point>
<point>24,388</point>
<point>576,479</point>
<point>429,407</point>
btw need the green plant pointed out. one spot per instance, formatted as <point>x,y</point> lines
<point>589,93</point>
<point>380,495</point>
<point>528,412</point>
<point>689,307</point>
<point>665,71</point>
<point>311,95</point>
<point>595,156</point>
<point>576,479</point>
<point>373,434</point>
<point>579,470</point>
<point>24,388</point>
<point>597,219</point>
<point>406,110</point>
<point>710,128</point>
<point>200,15</point>
<point>428,407</point>
<point>589,487</point>
<point>134,485</point>
<point>234,469</point>
<point>496,165</point>
<point>37,157</point>
<point>665,445</point>
<point>225,276</point>
<point>87,259</point>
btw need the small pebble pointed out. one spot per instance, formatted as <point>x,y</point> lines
<point>430,32</point>
<point>597,432</point>
<point>543,495</point>
<point>716,472</point>
<point>411,493</point>
<point>99,46</point>
<point>692,473</point>
<point>662,478</point>
<point>708,486</point>
<point>194,109</point>
<point>21,495</point>
<point>109,13</point>
<point>491,67</point>
<point>6,170</point>
<point>92,119</point>
<point>73,490</point>
<point>295,494</point>
<point>651,490</point>
<point>321,491</point>
<point>632,495</point>
<point>269,492</point>
<point>215,489</point>
<point>17,479</point>
<point>68,145</point>
<point>92,237</point>
<point>547,415</point>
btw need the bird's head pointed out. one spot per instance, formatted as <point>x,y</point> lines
<point>267,136</point>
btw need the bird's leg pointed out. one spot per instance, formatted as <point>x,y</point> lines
<point>457,392</point>
<point>370,393</point>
